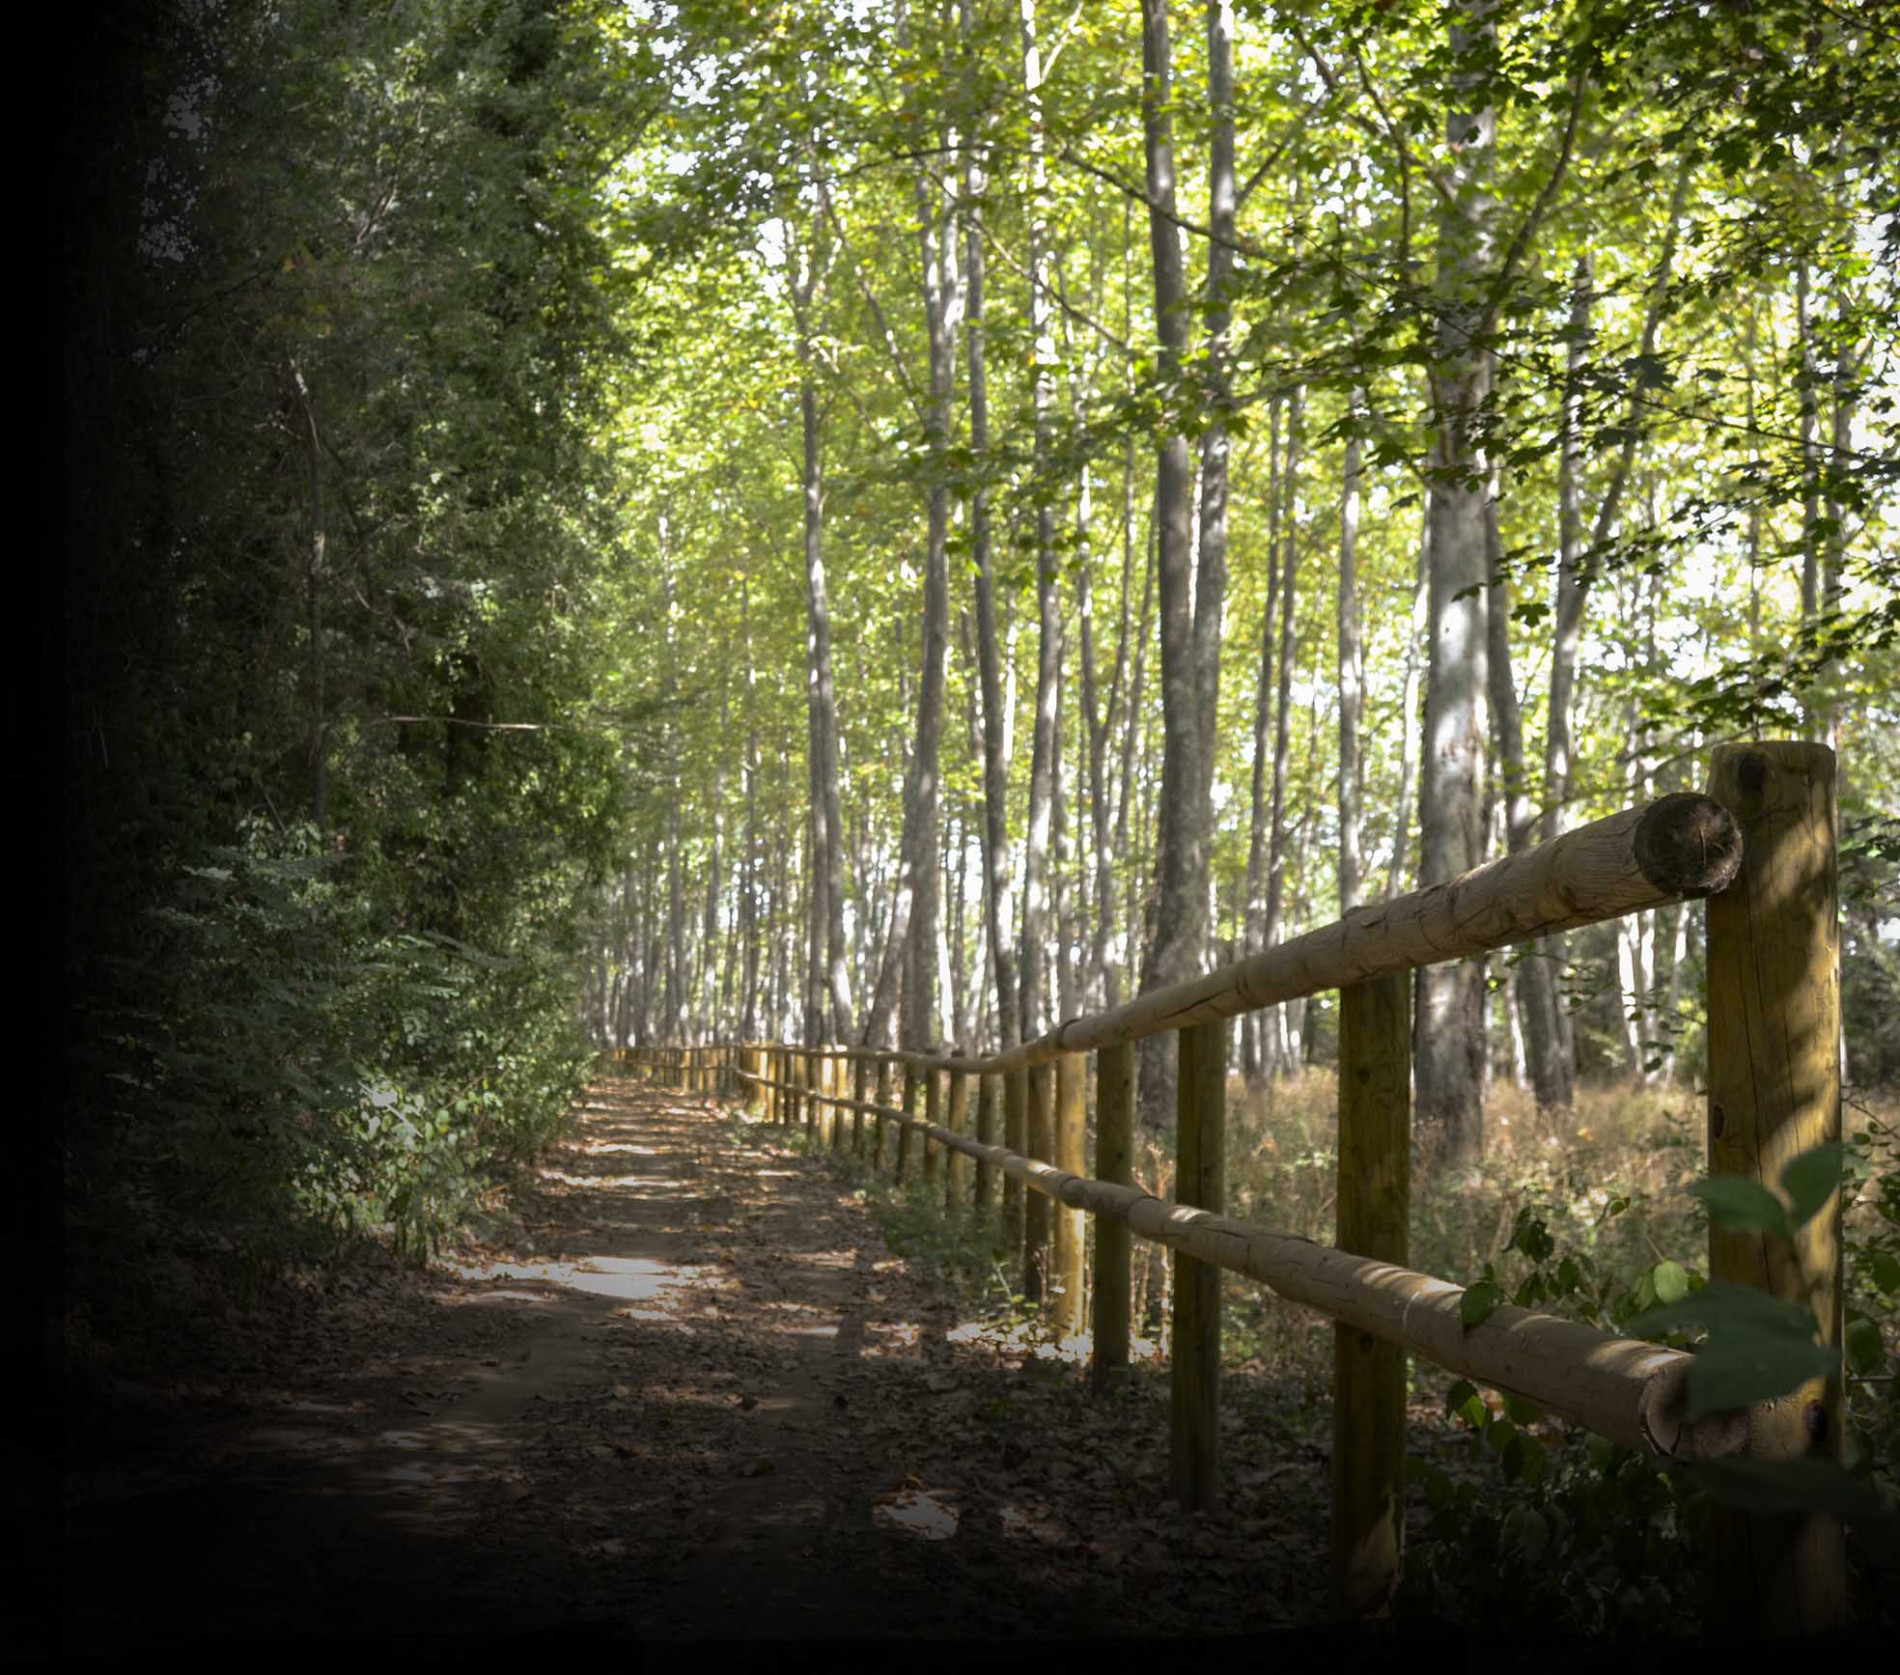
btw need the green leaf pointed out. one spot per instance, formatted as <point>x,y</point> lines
<point>1886,1272</point>
<point>1805,1485</point>
<point>1738,1369</point>
<point>1532,1237</point>
<point>1525,1413</point>
<point>1723,1305</point>
<point>1810,1180</point>
<point>1866,1353</point>
<point>1671,1282</point>
<point>1478,1302</point>
<point>1739,1205</point>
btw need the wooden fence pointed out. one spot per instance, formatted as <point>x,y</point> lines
<point>1760,846</point>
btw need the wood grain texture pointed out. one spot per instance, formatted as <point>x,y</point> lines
<point>1373,1219</point>
<point>1071,1225</point>
<point>1194,1358</point>
<point>1775,1092</point>
<point>956,1167</point>
<point>1036,1219</point>
<point>911,1077</point>
<point>987,1101</point>
<point>933,1118</point>
<point>1111,1313</point>
<point>1015,1139</point>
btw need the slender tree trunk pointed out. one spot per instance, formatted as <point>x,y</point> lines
<point>1279,1054</point>
<point>995,748</point>
<point>1131,734</point>
<point>1410,729</point>
<point>318,749</point>
<point>1532,991</point>
<point>1352,678</point>
<point>1181,847</point>
<point>1449,1029</point>
<point>1256,1046</point>
<point>1044,766</point>
<point>942,306</point>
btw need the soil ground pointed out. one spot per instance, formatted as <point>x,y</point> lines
<point>689,1395</point>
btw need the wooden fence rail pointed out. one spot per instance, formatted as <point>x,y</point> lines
<point>1766,839</point>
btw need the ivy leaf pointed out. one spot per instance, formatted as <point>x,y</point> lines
<point>1739,1205</point>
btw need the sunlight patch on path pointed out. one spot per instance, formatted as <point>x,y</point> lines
<point>632,1278</point>
<point>927,1514</point>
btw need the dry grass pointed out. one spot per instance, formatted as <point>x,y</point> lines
<point>1643,1144</point>
<point>1619,1141</point>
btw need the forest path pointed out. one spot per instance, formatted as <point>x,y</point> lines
<point>691,1395</point>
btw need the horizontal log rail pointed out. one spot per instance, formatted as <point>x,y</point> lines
<point>1677,848</point>
<point>1623,1389</point>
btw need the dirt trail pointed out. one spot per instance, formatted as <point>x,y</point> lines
<point>695,1397</point>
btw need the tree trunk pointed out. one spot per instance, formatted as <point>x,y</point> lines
<point>1352,677</point>
<point>1279,1053</point>
<point>942,303</point>
<point>1449,1035</point>
<point>1181,840</point>
<point>995,749</point>
<point>1399,868</point>
<point>1533,994</point>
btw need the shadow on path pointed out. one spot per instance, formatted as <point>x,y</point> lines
<point>693,1400</point>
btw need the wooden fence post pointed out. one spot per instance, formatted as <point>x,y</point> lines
<point>881,1097</point>
<point>933,1113</point>
<point>1200,1180</point>
<point>903,1132</point>
<point>860,1074</point>
<point>1372,1219</point>
<point>1111,1315</point>
<point>1775,1091</point>
<point>986,1133</point>
<point>956,1167</point>
<point>1015,1139</point>
<point>834,1084</point>
<point>811,1067</point>
<point>1040,1145</point>
<point>1071,1225</point>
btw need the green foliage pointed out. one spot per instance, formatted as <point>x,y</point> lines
<point>1581,1538</point>
<point>338,794</point>
<point>298,1059</point>
<point>1622,1526</point>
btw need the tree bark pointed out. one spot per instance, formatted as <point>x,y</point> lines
<point>1449,1053</point>
<point>1279,1054</point>
<point>1533,993</point>
<point>995,747</point>
<point>1352,677</point>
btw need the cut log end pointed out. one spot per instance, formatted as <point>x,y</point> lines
<point>1688,844</point>
<point>1666,1426</point>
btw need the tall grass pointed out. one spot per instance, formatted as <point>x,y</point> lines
<point>1635,1143</point>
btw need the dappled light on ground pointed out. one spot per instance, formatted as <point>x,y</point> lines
<point>703,1397</point>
